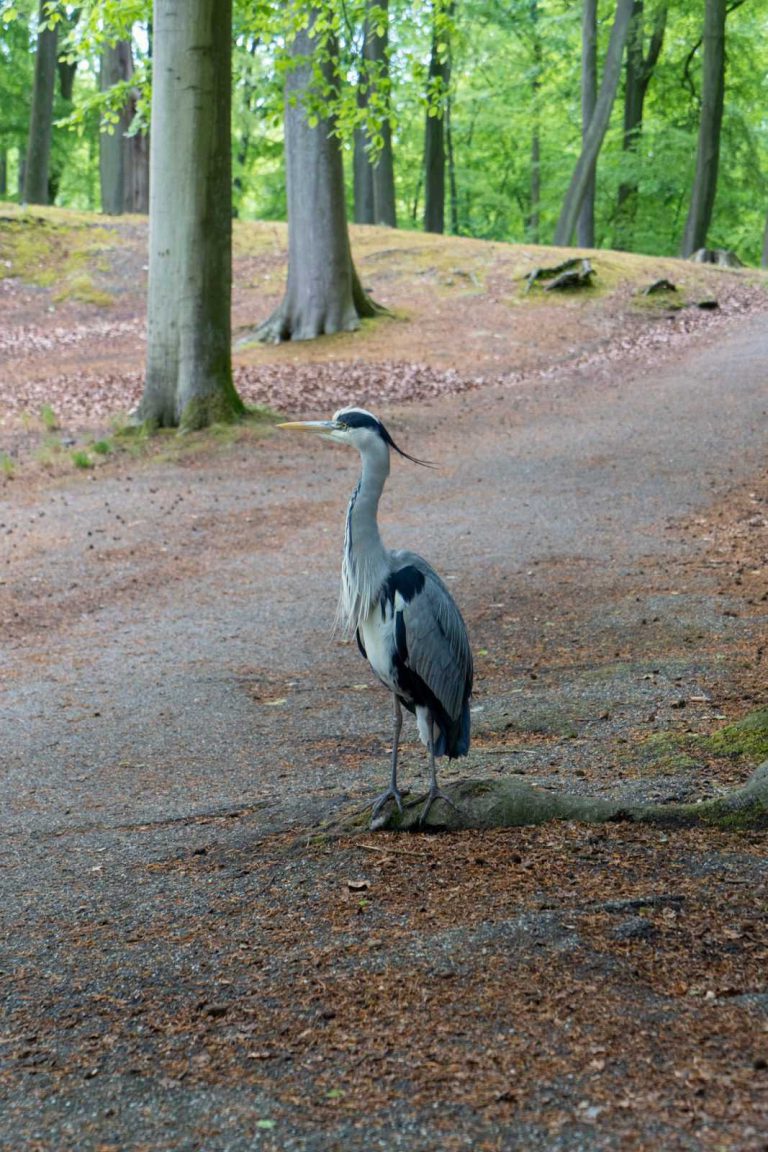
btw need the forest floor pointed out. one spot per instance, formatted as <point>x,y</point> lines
<point>189,958</point>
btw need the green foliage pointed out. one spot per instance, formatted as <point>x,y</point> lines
<point>515,79</point>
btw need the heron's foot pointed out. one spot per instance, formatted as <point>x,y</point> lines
<point>435,793</point>
<point>392,793</point>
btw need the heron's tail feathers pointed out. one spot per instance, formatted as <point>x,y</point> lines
<point>451,737</point>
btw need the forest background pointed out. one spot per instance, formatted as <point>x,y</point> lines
<point>505,84</point>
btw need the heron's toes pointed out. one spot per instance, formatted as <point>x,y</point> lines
<point>436,794</point>
<point>377,820</point>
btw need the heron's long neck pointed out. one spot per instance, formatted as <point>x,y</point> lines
<point>365,565</point>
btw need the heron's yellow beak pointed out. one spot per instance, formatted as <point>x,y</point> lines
<point>310,426</point>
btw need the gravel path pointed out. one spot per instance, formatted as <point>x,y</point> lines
<point>173,705</point>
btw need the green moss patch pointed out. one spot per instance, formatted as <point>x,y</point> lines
<point>52,250</point>
<point>746,739</point>
<point>667,752</point>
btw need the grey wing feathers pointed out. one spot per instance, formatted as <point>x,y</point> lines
<point>436,640</point>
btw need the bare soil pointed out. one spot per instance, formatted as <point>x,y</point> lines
<point>189,960</point>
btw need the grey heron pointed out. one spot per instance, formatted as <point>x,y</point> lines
<point>406,622</point>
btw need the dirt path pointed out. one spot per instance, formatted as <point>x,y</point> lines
<point>182,968</point>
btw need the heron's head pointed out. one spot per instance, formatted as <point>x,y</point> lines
<point>352,426</point>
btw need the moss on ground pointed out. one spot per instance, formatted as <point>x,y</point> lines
<point>745,739</point>
<point>57,250</point>
<point>666,752</point>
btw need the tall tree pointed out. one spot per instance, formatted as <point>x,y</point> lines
<point>585,229</point>
<point>188,380</point>
<point>136,173</point>
<point>36,167</point>
<point>598,125</point>
<point>323,293</point>
<point>639,69</point>
<point>438,81</point>
<point>533,218</point>
<point>702,199</point>
<point>123,159</point>
<point>374,167</point>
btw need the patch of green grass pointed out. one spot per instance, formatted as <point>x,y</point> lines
<point>49,418</point>
<point>7,466</point>
<point>101,447</point>
<point>81,459</point>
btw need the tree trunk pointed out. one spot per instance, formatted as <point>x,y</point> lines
<point>116,66</point>
<point>598,125</point>
<point>375,180</point>
<point>67,70</point>
<point>385,211</point>
<point>136,197</point>
<point>189,373</point>
<point>41,115</point>
<point>123,159</point>
<point>362,175</point>
<point>585,229</point>
<point>453,193</point>
<point>323,294</point>
<point>434,136</point>
<point>708,150</point>
<point>638,73</point>
<point>533,222</point>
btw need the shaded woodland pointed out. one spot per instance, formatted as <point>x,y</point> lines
<point>634,124</point>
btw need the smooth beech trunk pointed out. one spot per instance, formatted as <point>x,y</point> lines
<point>598,125</point>
<point>639,69</point>
<point>585,229</point>
<point>375,180</point>
<point>41,115</point>
<point>323,294</point>
<point>189,373</point>
<point>708,150</point>
<point>116,66</point>
<point>434,139</point>
<point>123,159</point>
<point>533,219</point>
<point>362,175</point>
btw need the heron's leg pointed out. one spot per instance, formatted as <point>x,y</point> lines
<point>393,792</point>
<point>435,791</point>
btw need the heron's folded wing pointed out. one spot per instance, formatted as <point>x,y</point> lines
<point>432,640</point>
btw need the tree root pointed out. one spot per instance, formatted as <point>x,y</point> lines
<point>510,802</point>
<point>573,273</point>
